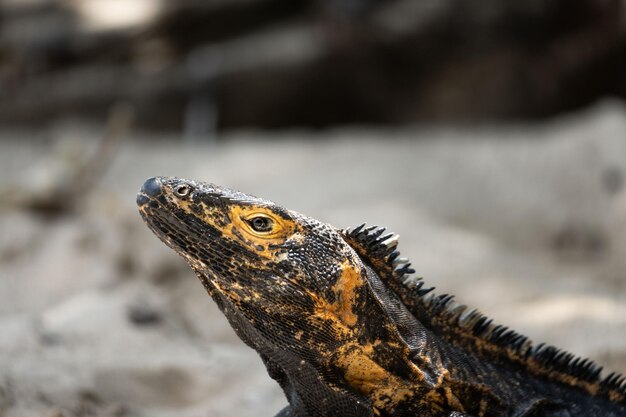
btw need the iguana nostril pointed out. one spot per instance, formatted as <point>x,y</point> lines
<point>152,187</point>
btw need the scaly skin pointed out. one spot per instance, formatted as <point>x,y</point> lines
<point>345,332</point>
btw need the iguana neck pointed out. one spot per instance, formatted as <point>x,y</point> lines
<point>388,356</point>
<point>491,360</point>
<point>434,387</point>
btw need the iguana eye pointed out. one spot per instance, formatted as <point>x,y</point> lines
<point>261,224</point>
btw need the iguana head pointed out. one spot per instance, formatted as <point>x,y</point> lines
<point>263,260</point>
<point>288,284</point>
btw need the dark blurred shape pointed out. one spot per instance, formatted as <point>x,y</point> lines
<point>143,315</point>
<point>77,179</point>
<point>613,180</point>
<point>89,403</point>
<point>577,241</point>
<point>201,66</point>
<point>49,339</point>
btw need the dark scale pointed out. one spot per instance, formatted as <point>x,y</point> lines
<point>346,329</point>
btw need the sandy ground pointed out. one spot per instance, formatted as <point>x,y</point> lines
<point>97,317</point>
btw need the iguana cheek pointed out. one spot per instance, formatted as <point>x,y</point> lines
<point>345,289</point>
<point>340,312</point>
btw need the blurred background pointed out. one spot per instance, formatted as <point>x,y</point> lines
<point>490,135</point>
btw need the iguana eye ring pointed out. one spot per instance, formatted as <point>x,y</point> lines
<point>261,224</point>
<point>182,190</point>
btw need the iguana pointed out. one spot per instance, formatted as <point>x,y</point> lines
<point>344,327</point>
